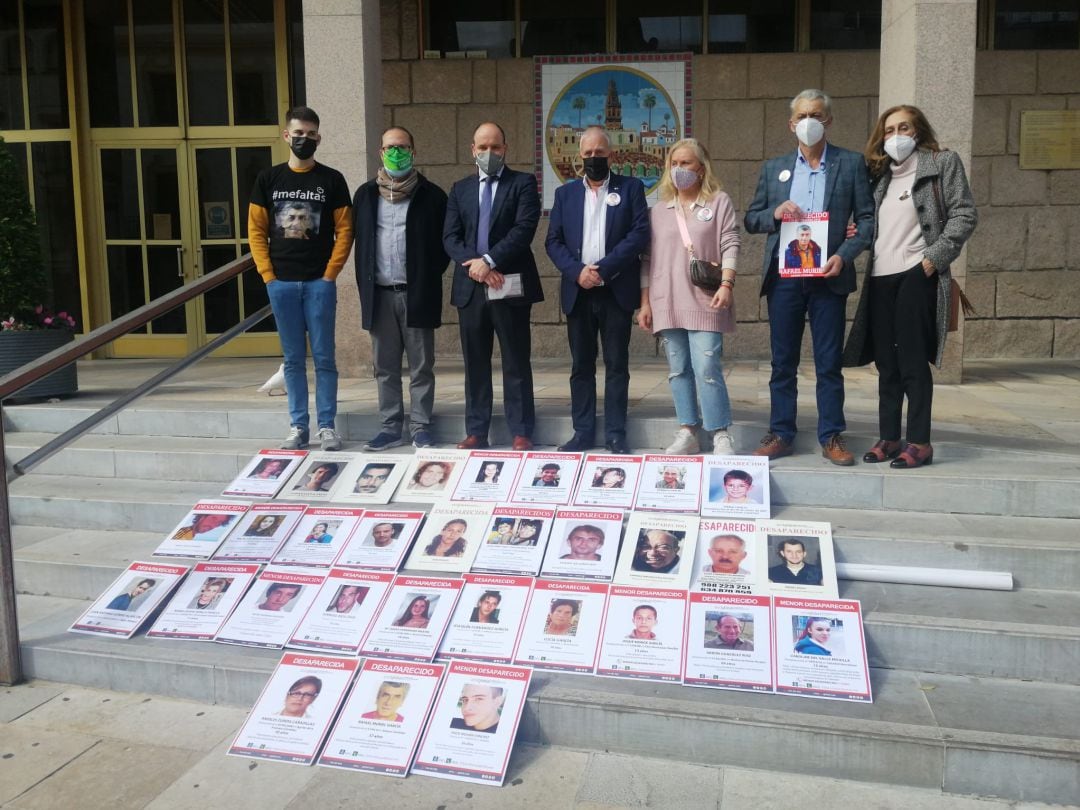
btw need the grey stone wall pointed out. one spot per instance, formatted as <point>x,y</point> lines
<point>1023,263</point>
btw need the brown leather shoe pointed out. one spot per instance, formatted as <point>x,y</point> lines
<point>473,443</point>
<point>772,446</point>
<point>836,451</point>
<point>883,450</point>
<point>522,444</point>
<point>913,456</point>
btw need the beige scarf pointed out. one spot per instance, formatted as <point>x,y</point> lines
<point>396,190</point>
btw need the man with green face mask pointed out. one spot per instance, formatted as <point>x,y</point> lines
<point>398,220</point>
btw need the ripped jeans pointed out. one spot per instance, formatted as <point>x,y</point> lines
<point>695,370</point>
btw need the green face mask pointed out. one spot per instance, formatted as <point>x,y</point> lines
<point>397,161</point>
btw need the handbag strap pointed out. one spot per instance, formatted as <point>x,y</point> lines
<point>680,217</point>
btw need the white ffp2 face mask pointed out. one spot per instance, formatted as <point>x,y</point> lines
<point>809,131</point>
<point>899,147</point>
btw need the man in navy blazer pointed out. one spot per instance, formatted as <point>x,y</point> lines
<point>598,230</point>
<point>817,177</point>
<point>491,218</point>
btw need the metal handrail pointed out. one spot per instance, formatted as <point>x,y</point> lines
<point>10,658</point>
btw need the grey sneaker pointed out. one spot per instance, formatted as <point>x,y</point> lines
<point>722,444</point>
<point>296,440</point>
<point>329,439</point>
<point>685,444</point>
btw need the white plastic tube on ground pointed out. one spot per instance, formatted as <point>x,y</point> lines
<point>910,575</point>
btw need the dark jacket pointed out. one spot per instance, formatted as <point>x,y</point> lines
<point>515,213</point>
<point>425,259</point>
<point>626,237</point>
<point>847,196</point>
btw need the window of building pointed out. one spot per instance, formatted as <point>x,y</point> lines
<point>554,27</point>
<point>474,25</point>
<point>294,25</point>
<point>844,25</point>
<point>645,25</point>
<point>751,26</point>
<point>1036,24</point>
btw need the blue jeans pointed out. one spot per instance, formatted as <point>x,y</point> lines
<point>791,300</point>
<point>303,310</point>
<point>695,370</point>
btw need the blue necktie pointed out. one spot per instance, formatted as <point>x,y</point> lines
<point>484,228</point>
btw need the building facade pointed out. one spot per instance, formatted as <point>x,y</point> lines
<point>140,125</point>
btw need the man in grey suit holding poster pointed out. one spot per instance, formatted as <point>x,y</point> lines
<point>817,177</point>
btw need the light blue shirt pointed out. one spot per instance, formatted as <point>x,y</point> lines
<point>808,185</point>
<point>390,242</point>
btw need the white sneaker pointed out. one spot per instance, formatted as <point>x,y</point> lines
<point>329,439</point>
<point>685,444</point>
<point>296,440</point>
<point>722,444</point>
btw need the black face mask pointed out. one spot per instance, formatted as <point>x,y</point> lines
<point>596,168</point>
<point>303,147</point>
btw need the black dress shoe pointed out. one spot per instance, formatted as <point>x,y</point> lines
<point>577,444</point>
<point>618,446</point>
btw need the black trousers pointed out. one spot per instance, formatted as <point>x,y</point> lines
<point>480,322</point>
<point>903,312</point>
<point>595,313</point>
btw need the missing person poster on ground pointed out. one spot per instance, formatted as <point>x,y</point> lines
<point>658,551</point>
<point>731,557</point>
<point>451,537</point>
<point>474,723</point>
<point>487,623</point>
<point>800,555</point>
<point>608,481</point>
<point>129,601</point>
<point>319,537</point>
<point>370,478</point>
<point>562,626</point>
<point>643,634</point>
<point>380,540</point>
<point>736,487</point>
<point>204,601</point>
<point>202,530</point>
<point>516,540</point>
<point>669,484</point>
<point>413,618</point>
<point>265,474</point>
<point>728,642</point>
<point>379,728</point>
<point>432,475</point>
<point>804,245</point>
<point>315,478</point>
<point>547,478</point>
<point>293,714</point>
<point>260,532</point>
<point>489,475</point>
<point>583,544</point>
<point>272,607</point>
<point>820,649</point>
<point>343,610</point>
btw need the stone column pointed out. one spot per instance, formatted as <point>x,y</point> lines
<point>343,67</point>
<point>928,59</point>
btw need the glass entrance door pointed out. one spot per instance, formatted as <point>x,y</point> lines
<point>184,100</point>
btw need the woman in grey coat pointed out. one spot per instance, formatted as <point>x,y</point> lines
<point>924,213</point>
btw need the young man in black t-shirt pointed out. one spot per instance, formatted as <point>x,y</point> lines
<point>300,231</point>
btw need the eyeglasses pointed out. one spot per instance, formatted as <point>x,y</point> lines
<point>406,147</point>
<point>304,695</point>
<point>664,549</point>
<point>817,116</point>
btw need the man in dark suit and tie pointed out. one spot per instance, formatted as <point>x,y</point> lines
<point>598,230</point>
<point>491,218</point>
<point>817,177</point>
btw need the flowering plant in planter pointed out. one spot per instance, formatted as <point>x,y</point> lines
<point>42,319</point>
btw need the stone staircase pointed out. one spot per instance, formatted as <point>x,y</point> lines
<point>975,691</point>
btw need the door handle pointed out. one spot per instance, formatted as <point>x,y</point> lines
<point>180,262</point>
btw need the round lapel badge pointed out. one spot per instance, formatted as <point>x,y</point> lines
<point>613,198</point>
<point>704,214</point>
<point>785,175</point>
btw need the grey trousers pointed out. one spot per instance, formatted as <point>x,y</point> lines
<point>390,337</point>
